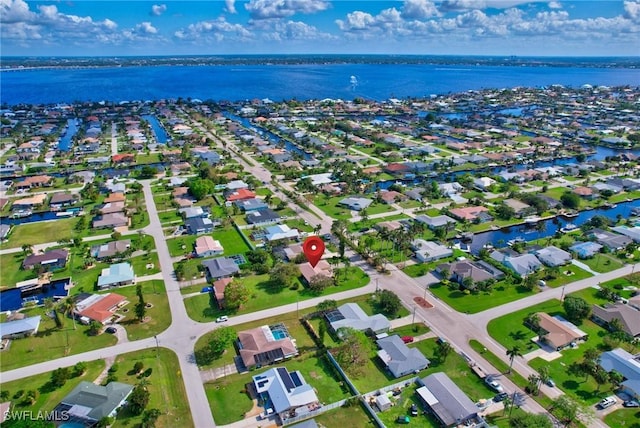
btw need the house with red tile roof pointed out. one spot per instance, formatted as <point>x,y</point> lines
<point>100,307</point>
<point>239,195</point>
<point>123,158</point>
<point>467,213</point>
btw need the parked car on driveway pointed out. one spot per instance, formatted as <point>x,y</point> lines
<point>407,339</point>
<point>500,397</point>
<point>607,402</point>
<point>111,330</point>
<point>631,403</point>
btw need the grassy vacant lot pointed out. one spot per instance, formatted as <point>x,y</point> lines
<point>565,278</point>
<point>353,417</point>
<point>265,294</point>
<point>165,385</point>
<point>175,245</point>
<point>51,343</point>
<point>603,263</point>
<point>11,270</point>
<point>472,303</point>
<point>159,315</point>
<point>49,396</point>
<point>40,232</point>
<point>331,208</point>
<point>231,241</point>
<point>509,330</point>
<point>229,399</point>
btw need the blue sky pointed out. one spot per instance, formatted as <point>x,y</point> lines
<point>427,27</point>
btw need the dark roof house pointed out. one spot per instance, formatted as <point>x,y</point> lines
<point>399,358</point>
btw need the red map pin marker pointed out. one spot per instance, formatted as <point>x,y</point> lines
<point>313,248</point>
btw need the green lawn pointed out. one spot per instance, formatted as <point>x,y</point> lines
<point>509,330</point>
<point>176,245</point>
<point>163,201</point>
<point>11,270</point>
<point>165,385</point>
<point>417,270</point>
<point>148,158</point>
<point>352,417</point>
<point>569,273</point>
<point>231,241</point>
<point>159,315</point>
<point>265,294</point>
<point>230,401</point>
<point>624,418</point>
<point>331,208</point>
<point>28,351</point>
<point>169,217</point>
<point>49,396</point>
<point>40,232</point>
<point>400,407</point>
<point>602,263</point>
<point>472,303</point>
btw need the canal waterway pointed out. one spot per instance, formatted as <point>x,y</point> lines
<point>13,299</point>
<point>65,141</point>
<point>158,130</point>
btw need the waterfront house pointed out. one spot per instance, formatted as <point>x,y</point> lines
<point>221,267</point>
<point>435,222</point>
<point>461,269</point>
<point>391,197</point>
<point>29,202</point>
<point>585,250</point>
<point>613,241</point>
<point>19,328</point>
<point>584,192</point>
<point>4,231</point>
<point>49,260</point>
<point>553,256</point>
<point>483,183</point>
<point>520,208</point>
<point>116,275</point>
<point>88,403</point>
<point>206,246</point>
<point>60,200</point>
<point>469,213</point>
<point>630,232</point>
<point>558,332</point>
<point>398,358</point>
<point>33,182</point>
<point>265,345</point>
<point>522,265</point>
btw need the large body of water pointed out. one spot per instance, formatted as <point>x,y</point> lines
<point>278,82</point>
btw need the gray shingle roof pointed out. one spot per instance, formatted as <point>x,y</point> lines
<point>399,358</point>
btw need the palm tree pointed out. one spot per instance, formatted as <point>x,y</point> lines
<point>69,307</point>
<point>513,353</point>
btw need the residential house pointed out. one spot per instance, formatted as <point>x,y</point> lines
<point>33,182</point>
<point>483,183</point>
<point>221,267</point>
<point>239,195</point>
<point>435,222</point>
<point>449,189</point>
<point>447,402</point>
<point>263,217</point>
<point>585,250</point>
<point>320,179</point>
<point>19,328</point>
<point>99,307</point>
<point>391,197</point>
<point>399,359</point>
<point>613,241</point>
<point>558,332</point>
<point>114,197</point>
<point>321,268</point>
<point>193,212</point>
<point>280,232</point>
<point>116,275</point>
<point>553,256</point>
<point>237,185</point>
<point>522,265</point>
<point>110,249</point>
<point>29,202</point>
<point>459,270</point>
<point>469,213</point>
<point>288,393</point>
<point>255,204</point>
<point>628,316</point>
<point>89,403</point>
<point>218,290</point>
<point>109,221</point>
<point>49,260</point>
<point>426,251</point>
<point>630,232</point>
<point>520,208</point>
<point>354,203</point>
<point>60,200</point>
<point>351,315</point>
<point>265,345</point>
<point>112,207</point>
<point>199,225</point>
<point>584,192</point>
<point>627,365</point>
<point>634,301</point>
<point>206,246</point>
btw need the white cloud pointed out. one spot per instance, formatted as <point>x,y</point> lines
<point>145,28</point>
<point>554,5</point>
<point>158,9</point>
<point>267,9</point>
<point>458,5</point>
<point>12,11</point>
<point>632,10</point>
<point>217,29</point>
<point>278,30</point>
<point>230,6</point>
<point>356,20</point>
<point>419,9</point>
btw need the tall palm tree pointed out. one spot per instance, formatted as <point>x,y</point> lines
<point>69,307</point>
<point>513,353</point>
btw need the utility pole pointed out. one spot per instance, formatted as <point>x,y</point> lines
<point>562,295</point>
<point>413,319</point>
<point>157,346</point>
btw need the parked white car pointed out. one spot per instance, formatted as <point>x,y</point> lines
<point>494,384</point>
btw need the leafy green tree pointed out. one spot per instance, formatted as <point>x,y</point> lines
<point>353,353</point>
<point>60,376</point>
<point>389,302</point>
<point>94,328</point>
<point>504,212</point>
<point>200,188</point>
<point>318,283</point>
<point>570,200</point>
<point>284,274</point>
<point>149,418</point>
<point>443,350</point>
<point>79,368</point>
<point>326,305</point>
<point>220,340</point>
<point>138,400</point>
<point>576,308</point>
<point>565,409</point>
<point>236,294</point>
<point>138,366</point>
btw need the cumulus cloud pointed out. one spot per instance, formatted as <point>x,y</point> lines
<point>419,9</point>
<point>554,5</point>
<point>145,28</point>
<point>268,9</point>
<point>632,10</point>
<point>459,5</point>
<point>216,29</point>
<point>279,30</point>
<point>13,11</point>
<point>230,6</point>
<point>158,9</point>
